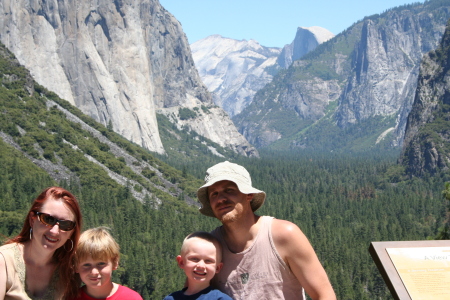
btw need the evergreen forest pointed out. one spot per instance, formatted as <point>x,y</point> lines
<point>342,202</point>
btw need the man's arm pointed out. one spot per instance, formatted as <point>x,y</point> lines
<point>295,249</point>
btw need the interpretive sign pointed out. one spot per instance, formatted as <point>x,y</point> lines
<point>414,270</point>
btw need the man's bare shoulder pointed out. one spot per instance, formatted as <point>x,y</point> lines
<point>283,225</point>
<point>285,232</point>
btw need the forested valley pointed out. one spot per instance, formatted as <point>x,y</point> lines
<point>341,201</point>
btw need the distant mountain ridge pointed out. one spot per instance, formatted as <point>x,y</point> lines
<point>352,92</point>
<point>235,70</point>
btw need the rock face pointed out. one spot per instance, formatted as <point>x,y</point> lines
<point>235,70</point>
<point>118,61</point>
<point>306,40</point>
<point>426,146</point>
<point>368,71</point>
<point>219,124</point>
<point>385,64</point>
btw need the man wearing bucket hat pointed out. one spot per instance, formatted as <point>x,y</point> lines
<point>263,257</point>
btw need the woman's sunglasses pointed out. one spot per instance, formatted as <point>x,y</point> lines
<point>48,220</point>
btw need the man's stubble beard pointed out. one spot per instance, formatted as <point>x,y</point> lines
<point>232,216</point>
<point>228,218</point>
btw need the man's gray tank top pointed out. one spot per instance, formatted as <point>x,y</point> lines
<point>258,272</point>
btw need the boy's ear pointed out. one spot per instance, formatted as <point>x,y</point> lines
<point>219,267</point>
<point>180,261</point>
<point>116,265</point>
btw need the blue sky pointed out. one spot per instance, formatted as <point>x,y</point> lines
<point>273,23</point>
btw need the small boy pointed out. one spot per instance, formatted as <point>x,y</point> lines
<point>200,258</point>
<point>96,258</point>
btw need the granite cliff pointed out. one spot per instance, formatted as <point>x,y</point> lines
<point>118,61</point>
<point>426,147</point>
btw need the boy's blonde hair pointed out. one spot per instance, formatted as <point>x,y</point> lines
<point>204,236</point>
<point>99,244</point>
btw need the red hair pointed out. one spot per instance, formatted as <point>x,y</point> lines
<point>63,258</point>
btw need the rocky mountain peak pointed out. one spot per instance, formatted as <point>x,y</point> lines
<point>306,40</point>
<point>235,70</point>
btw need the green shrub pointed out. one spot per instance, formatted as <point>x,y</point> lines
<point>186,114</point>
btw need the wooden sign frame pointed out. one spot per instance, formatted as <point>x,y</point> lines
<point>386,267</point>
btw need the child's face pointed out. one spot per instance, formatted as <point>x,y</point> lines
<point>95,273</point>
<point>199,261</point>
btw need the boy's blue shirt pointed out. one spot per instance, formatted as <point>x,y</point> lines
<point>206,294</point>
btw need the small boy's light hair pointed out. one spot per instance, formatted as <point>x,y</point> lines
<point>99,244</point>
<point>204,236</point>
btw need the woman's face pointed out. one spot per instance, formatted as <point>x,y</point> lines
<point>51,237</point>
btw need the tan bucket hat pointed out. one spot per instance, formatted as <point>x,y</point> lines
<point>231,172</point>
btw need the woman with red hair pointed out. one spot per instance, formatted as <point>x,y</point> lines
<point>38,263</point>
